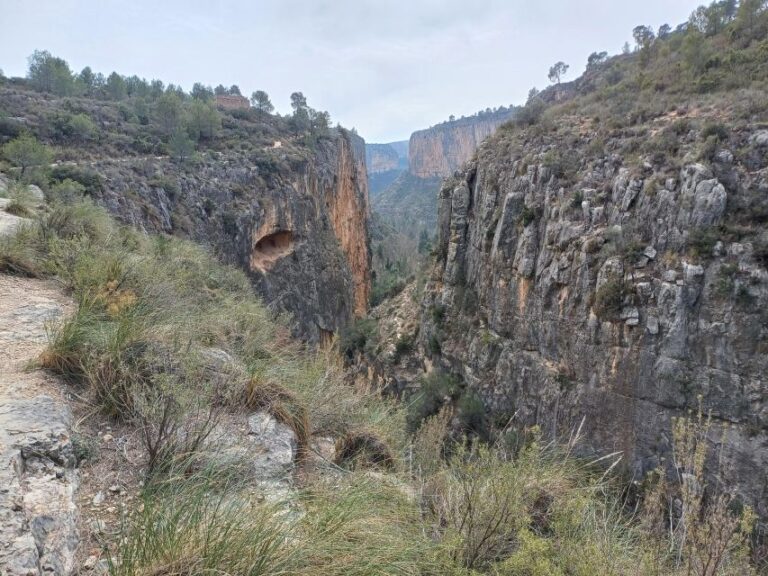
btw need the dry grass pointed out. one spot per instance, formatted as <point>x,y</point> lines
<point>363,448</point>
<point>149,309</point>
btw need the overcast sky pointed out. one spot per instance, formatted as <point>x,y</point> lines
<point>386,67</point>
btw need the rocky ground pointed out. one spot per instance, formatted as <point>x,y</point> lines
<point>38,478</point>
<point>69,476</point>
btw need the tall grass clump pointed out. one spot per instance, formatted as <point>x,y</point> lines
<point>164,336</point>
<point>22,202</point>
<point>210,523</point>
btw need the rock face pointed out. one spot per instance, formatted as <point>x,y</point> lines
<point>385,162</point>
<point>381,158</point>
<point>38,479</point>
<point>443,149</point>
<point>38,517</point>
<point>289,207</point>
<point>297,225</point>
<point>623,294</point>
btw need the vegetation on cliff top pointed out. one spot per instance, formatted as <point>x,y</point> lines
<point>119,116</point>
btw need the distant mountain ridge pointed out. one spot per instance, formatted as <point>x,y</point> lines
<point>404,177</point>
<point>442,149</point>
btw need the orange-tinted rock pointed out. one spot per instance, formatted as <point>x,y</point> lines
<point>441,150</point>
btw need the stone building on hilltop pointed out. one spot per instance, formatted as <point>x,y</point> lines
<point>232,101</point>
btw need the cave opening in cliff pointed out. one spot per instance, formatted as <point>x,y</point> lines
<point>270,248</point>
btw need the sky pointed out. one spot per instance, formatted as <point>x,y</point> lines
<point>384,67</point>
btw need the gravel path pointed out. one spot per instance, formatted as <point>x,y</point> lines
<point>38,480</point>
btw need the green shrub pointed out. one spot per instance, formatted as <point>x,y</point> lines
<point>708,149</point>
<point>435,390</point>
<point>564,163</point>
<point>610,298</point>
<point>91,181</point>
<point>360,336</point>
<point>435,347</point>
<point>82,128</point>
<point>210,523</point>
<point>169,185</point>
<point>22,202</point>
<point>437,311</point>
<point>471,413</point>
<point>631,250</point>
<point>701,241</point>
<point>404,346</point>
<point>66,191</point>
<point>527,215</point>
<point>716,130</point>
<point>576,199</point>
<point>531,515</point>
<point>387,284</point>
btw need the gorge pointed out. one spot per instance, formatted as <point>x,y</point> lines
<point>528,342</point>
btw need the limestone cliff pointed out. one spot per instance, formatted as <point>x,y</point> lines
<point>385,162</point>
<point>408,199</point>
<point>291,209</point>
<point>350,214</point>
<point>577,280</point>
<point>443,149</point>
<point>380,158</point>
<point>298,224</point>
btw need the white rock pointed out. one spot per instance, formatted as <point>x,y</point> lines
<point>760,138</point>
<point>692,271</point>
<point>724,157</point>
<point>631,316</point>
<point>98,498</point>
<point>36,193</point>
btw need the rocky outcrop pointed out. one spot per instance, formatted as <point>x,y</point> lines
<point>575,283</point>
<point>443,149</point>
<point>290,208</point>
<point>297,223</point>
<point>38,479</point>
<point>381,158</point>
<point>38,517</point>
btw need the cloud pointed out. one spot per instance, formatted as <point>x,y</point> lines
<point>387,67</point>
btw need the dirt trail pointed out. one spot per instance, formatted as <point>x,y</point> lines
<point>38,480</point>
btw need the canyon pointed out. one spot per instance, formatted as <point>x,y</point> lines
<point>529,341</point>
<point>439,151</point>
<point>406,194</point>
